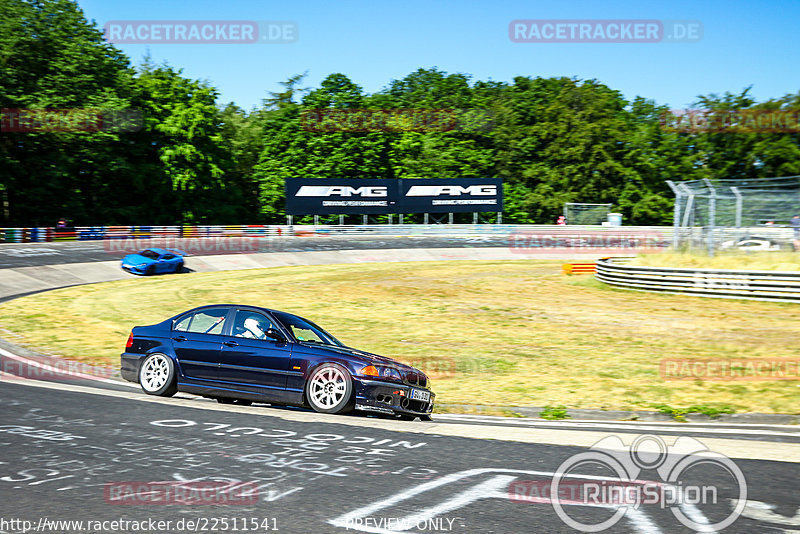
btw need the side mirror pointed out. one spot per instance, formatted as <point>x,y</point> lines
<point>274,335</point>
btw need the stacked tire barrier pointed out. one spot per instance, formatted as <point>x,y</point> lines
<point>776,286</point>
<point>26,235</point>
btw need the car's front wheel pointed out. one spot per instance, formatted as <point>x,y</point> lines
<point>157,375</point>
<point>330,389</point>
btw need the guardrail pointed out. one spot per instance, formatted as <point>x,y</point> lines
<point>776,286</point>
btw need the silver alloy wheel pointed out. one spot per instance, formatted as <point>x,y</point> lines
<point>329,389</point>
<point>155,373</point>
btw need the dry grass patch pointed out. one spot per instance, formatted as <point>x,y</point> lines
<point>501,333</point>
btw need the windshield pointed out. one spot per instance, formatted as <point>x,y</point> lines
<point>149,254</point>
<point>305,331</point>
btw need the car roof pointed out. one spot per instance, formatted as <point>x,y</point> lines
<point>248,306</point>
<point>159,250</point>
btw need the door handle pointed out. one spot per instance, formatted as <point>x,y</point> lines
<point>231,344</point>
<point>179,338</point>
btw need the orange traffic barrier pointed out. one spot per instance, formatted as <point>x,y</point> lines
<point>578,268</point>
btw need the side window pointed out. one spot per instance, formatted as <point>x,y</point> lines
<point>209,321</point>
<point>251,325</point>
<point>167,256</point>
<point>183,324</point>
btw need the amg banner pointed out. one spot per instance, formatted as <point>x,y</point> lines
<point>384,196</point>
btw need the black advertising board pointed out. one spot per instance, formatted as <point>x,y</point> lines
<point>454,195</point>
<point>384,196</point>
<point>330,196</point>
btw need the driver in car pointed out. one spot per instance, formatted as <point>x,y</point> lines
<point>253,329</point>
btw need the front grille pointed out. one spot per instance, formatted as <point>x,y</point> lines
<point>416,379</point>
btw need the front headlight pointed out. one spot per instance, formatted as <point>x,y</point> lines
<point>381,372</point>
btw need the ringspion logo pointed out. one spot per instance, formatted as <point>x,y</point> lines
<point>677,465</point>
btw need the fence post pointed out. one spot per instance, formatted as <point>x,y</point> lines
<point>676,217</point>
<point>712,209</point>
<point>738,210</point>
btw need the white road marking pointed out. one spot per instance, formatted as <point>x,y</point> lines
<point>489,489</point>
<point>761,511</point>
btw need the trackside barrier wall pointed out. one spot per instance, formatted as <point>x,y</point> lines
<point>82,233</point>
<point>777,286</point>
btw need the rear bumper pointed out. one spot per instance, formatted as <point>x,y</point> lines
<point>129,366</point>
<point>390,398</point>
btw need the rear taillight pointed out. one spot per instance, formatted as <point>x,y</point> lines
<point>129,344</point>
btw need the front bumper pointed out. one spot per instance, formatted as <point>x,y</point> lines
<point>390,398</point>
<point>133,269</point>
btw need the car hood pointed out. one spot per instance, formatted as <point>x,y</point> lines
<point>136,258</point>
<point>366,357</point>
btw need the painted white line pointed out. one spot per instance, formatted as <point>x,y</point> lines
<point>656,427</point>
<point>60,372</point>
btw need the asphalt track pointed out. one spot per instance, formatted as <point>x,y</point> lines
<point>58,253</point>
<point>85,450</point>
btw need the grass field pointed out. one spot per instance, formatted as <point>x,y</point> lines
<point>492,333</point>
<point>753,261</point>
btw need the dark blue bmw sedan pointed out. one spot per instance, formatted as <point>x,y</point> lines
<point>240,354</point>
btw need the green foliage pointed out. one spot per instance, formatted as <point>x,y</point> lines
<point>553,413</point>
<point>552,140</point>
<point>679,414</point>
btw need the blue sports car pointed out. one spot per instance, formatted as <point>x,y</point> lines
<point>240,354</point>
<point>154,261</point>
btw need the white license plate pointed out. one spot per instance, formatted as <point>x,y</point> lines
<point>418,394</point>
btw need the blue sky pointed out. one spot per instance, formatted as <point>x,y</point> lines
<point>373,42</point>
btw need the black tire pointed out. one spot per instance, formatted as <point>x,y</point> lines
<point>149,270</point>
<point>329,389</point>
<point>157,375</point>
<point>179,268</point>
